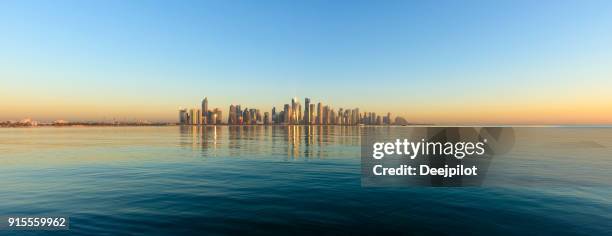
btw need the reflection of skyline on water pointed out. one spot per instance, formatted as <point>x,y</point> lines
<point>292,141</point>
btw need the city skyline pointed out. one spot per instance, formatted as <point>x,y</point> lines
<point>290,114</point>
<point>475,62</point>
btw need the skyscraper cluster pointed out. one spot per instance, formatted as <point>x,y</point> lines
<point>291,114</point>
<point>246,116</point>
<point>202,116</point>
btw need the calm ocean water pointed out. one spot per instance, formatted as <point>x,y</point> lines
<point>289,180</point>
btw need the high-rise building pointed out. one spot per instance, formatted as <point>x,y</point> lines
<point>199,116</point>
<point>274,118</point>
<point>239,118</point>
<point>191,116</point>
<point>230,115</point>
<point>279,117</point>
<point>311,115</point>
<point>253,116</point>
<point>188,120</point>
<point>246,117</point>
<point>195,116</point>
<point>218,117</point>
<point>354,117</point>
<point>298,117</point>
<point>213,118</point>
<point>293,114</point>
<point>325,115</point>
<point>205,111</point>
<point>287,114</point>
<point>266,118</point>
<point>349,116</point>
<point>183,116</point>
<point>306,117</point>
<point>320,113</point>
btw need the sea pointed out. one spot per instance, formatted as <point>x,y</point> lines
<point>262,180</point>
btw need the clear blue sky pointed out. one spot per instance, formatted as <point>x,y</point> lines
<point>426,60</point>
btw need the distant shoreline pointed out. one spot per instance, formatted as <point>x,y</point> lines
<point>281,125</point>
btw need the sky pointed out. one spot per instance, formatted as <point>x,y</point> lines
<point>446,62</point>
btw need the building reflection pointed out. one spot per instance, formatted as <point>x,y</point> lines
<point>202,138</point>
<point>291,142</point>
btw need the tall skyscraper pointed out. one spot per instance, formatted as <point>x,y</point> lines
<point>266,118</point>
<point>287,113</point>
<point>311,114</point>
<point>245,116</point>
<point>293,110</point>
<point>354,117</point>
<point>298,117</point>
<point>325,115</point>
<point>231,117</point>
<point>191,116</point>
<point>205,111</point>
<point>195,116</point>
<point>199,116</point>
<point>306,117</point>
<point>253,117</point>
<point>320,113</point>
<point>218,117</point>
<point>183,116</point>
<point>274,118</point>
<point>239,118</point>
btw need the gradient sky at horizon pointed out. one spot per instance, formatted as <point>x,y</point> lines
<point>464,62</point>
